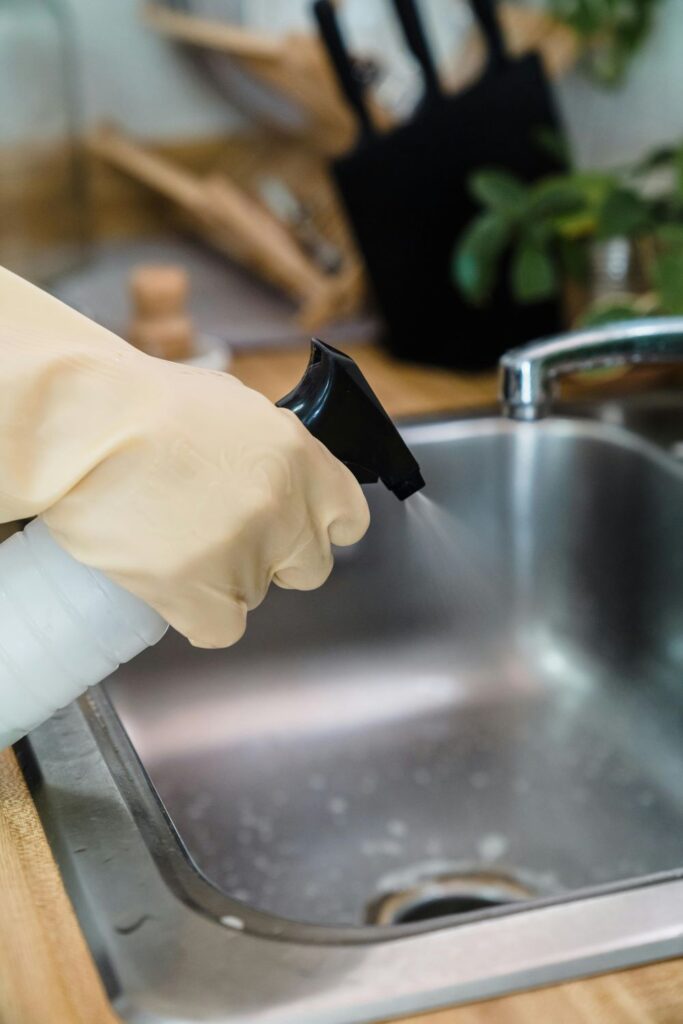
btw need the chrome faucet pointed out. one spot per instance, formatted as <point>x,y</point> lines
<point>528,374</point>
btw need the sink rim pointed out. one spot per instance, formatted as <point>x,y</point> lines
<point>158,911</point>
<point>189,877</point>
<point>635,920</point>
<point>195,888</point>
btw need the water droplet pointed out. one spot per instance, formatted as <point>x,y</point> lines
<point>230,921</point>
<point>492,846</point>
<point>397,828</point>
<point>198,807</point>
<point>381,847</point>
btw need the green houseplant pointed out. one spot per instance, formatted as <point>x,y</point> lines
<point>611,32</point>
<point>543,233</point>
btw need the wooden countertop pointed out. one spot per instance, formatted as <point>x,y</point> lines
<point>46,973</point>
<point>404,389</point>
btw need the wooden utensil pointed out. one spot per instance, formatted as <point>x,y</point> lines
<point>231,220</point>
<point>296,65</point>
<point>525,30</point>
<point>160,325</point>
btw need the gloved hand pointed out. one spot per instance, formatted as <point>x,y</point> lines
<point>182,485</point>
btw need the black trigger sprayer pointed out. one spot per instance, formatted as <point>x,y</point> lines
<point>338,406</point>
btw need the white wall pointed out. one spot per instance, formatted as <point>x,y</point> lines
<point>611,127</point>
<point>142,81</point>
<point>133,76</point>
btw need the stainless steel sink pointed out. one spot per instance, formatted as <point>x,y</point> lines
<point>476,727</point>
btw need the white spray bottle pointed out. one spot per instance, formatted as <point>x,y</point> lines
<point>65,627</point>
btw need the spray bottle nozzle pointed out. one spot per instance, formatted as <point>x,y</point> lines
<point>336,403</point>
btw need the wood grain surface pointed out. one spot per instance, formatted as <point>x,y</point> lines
<point>46,973</point>
<point>404,389</point>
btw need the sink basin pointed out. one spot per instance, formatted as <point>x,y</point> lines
<point>454,771</point>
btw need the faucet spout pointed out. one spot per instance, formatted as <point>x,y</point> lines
<point>529,374</point>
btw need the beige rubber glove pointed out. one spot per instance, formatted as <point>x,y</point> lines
<point>182,485</point>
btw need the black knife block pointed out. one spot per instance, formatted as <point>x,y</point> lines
<point>407,200</point>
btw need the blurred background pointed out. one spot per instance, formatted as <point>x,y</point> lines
<point>448,178</point>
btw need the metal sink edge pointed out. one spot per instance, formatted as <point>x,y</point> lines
<point>172,947</point>
<point>154,925</point>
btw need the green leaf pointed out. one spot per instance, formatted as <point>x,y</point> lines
<point>556,197</point>
<point>657,159</point>
<point>594,187</point>
<point>500,192</point>
<point>669,235</point>
<point>534,274</point>
<point>574,259</point>
<point>553,143</point>
<point>678,166</point>
<point>611,31</point>
<point>623,214</point>
<point>597,316</point>
<point>476,256</point>
<point>668,270</point>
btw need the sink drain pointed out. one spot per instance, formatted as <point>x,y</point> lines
<point>443,906</point>
<point>446,895</point>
